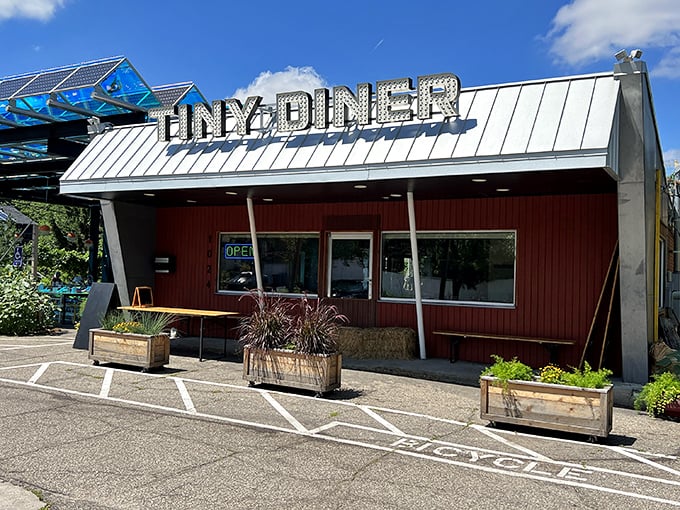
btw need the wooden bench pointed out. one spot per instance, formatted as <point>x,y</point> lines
<point>551,344</point>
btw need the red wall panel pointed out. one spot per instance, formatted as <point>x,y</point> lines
<point>564,245</point>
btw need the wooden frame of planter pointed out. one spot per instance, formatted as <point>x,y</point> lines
<point>549,406</point>
<point>316,372</point>
<point>145,351</point>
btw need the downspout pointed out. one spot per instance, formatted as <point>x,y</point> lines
<point>253,240</point>
<point>416,273</point>
<point>657,256</point>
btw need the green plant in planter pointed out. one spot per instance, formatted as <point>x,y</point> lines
<point>142,323</point>
<point>659,393</point>
<point>550,374</point>
<point>509,370</point>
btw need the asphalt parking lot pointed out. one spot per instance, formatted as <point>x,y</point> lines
<point>193,435</point>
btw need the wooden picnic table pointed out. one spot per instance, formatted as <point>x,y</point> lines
<point>189,313</point>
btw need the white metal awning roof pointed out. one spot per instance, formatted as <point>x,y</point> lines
<point>548,125</point>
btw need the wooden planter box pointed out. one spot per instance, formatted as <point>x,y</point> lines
<point>549,406</point>
<point>144,351</point>
<point>315,372</point>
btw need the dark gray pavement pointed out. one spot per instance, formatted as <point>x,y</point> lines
<point>366,382</point>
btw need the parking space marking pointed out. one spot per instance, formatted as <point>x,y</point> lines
<point>529,464</point>
<point>380,419</point>
<point>11,347</point>
<point>186,398</point>
<point>283,412</point>
<point>41,370</point>
<point>106,383</point>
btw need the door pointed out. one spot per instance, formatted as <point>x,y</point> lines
<point>350,265</point>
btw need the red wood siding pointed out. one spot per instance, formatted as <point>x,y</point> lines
<point>564,244</point>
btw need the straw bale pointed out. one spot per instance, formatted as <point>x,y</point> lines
<point>378,343</point>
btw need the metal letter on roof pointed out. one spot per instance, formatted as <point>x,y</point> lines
<point>344,100</point>
<point>284,110</point>
<point>445,99</point>
<point>321,108</point>
<point>204,116</point>
<point>244,113</point>
<point>163,115</point>
<point>391,108</point>
<point>185,125</point>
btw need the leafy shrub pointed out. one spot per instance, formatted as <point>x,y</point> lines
<point>23,310</point>
<point>509,370</point>
<point>550,374</point>
<point>586,378</point>
<point>657,394</point>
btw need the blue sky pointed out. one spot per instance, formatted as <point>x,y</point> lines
<point>232,48</point>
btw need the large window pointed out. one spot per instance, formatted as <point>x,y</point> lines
<point>454,266</point>
<point>289,263</point>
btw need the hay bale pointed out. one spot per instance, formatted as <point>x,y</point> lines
<point>378,343</point>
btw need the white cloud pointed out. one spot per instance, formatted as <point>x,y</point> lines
<point>268,84</point>
<point>670,157</point>
<point>41,10</point>
<point>587,30</point>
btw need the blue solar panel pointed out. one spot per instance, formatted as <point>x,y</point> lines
<point>44,83</point>
<point>169,96</point>
<point>89,75</point>
<point>9,87</point>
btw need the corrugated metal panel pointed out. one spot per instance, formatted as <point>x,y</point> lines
<point>601,114</point>
<point>522,123</point>
<point>548,117</point>
<point>499,122</point>
<point>576,109</point>
<point>569,115</point>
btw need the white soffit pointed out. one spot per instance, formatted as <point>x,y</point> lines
<point>558,124</point>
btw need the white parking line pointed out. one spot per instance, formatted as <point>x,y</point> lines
<point>283,412</point>
<point>41,370</point>
<point>106,384</point>
<point>186,398</point>
<point>12,347</point>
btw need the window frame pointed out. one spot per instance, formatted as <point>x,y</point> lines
<point>440,302</point>
<point>313,235</point>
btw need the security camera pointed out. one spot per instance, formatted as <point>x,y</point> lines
<point>636,54</point>
<point>621,55</point>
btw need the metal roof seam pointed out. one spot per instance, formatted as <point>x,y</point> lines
<point>533,124</point>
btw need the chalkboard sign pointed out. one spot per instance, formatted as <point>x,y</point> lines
<point>142,297</point>
<point>102,298</point>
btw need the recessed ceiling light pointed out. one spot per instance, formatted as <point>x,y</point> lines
<point>267,199</point>
<point>479,180</point>
<point>191,201</point>
<point>149,194</point>
<point>395,195</point>
<point>231,193</point>
<point>386,198</point>
<point>502,189</point>
<point>360,186</point>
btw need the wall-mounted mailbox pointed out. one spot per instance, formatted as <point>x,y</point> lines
<point>164,264</point>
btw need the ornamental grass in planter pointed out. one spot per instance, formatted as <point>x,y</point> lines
<point>292,345</point>
<point>138,339</point>
<point>579,401</point>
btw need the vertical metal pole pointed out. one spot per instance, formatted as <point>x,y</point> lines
<point>34,250</point>
<point>657,256</point>
<point>253,240</point>
<point>416,273</point>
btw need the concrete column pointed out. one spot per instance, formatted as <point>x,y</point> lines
<point>636,212</point>
<point>131,237</point>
